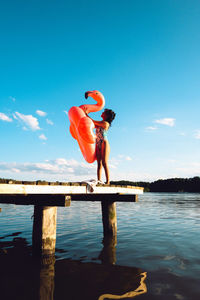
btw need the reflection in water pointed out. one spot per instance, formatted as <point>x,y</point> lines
<point>10,235</point>
<point>21,276</point>
<point>24,277</point>
<point>108,257</point>
<point>108,253</point>
<point>171,262</point>
<point>142,289</point>
<point>92,281</point>
<point>46,278</point>
<point>17,274</point>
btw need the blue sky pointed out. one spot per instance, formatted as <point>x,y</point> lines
<point>142,55</point>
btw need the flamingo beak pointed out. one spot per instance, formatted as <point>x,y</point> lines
<point>87,94</point>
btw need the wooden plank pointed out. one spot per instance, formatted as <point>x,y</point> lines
<point>62,200</point>
<point>42,182</point>
<point>64,183</point>
<point>36,199</point>
<point>40,189</point>
<point>106,197</point>
<point>114,190</point>
<point>65,189</point>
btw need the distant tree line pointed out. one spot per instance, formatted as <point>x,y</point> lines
<point>167,185</point>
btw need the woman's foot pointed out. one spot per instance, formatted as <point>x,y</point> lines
<point>100,182</point>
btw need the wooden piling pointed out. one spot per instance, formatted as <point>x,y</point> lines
<point>109,218</point>
<point>44,230</point>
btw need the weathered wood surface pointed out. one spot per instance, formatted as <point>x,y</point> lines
<point>65,188</point>
<point>54,194</point>
<point>106,197</point>
<point>62,200</point>
<point>36,199</point>
<point>109,218</point>
<point>44,230</point>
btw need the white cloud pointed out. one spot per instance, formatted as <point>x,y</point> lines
<point>12,98</point>
<point>5,118</point>
<point>132,176</point>
<point>166,121</point>
<point>49,122</point>
<point>123,157</point>
<point>189,169</point>
<point>114,162</point>
<point>128,158</point>
<point>69,162</point>
<point>28,120</point>
<point>197,134</point>
<point>60,168</point>
<point>182,133</point>
<point>111,166</point>
<point>15,170</point>
<point>171,161</point>
<point>66,112</point>
<point>151,128</point>
<point>61,161</point>
<point>42,137</point>
<point>41,113</point>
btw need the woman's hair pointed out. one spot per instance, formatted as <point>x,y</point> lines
<point>110,115</point>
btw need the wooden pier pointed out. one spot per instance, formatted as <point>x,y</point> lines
<point>46,196</point>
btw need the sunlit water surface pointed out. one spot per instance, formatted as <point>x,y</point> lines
<point>159,234</point>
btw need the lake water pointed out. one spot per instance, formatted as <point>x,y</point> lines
<point>159,236</point>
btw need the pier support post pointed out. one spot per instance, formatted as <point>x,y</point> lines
<point>44,230</point>
<point>109,218</point>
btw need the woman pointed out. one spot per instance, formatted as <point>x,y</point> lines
<point>102,144</point>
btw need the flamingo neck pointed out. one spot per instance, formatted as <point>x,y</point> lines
<point>94,107</point>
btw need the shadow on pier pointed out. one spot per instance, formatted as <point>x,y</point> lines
<point>25,277</point>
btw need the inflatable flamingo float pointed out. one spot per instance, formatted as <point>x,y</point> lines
<point>81,127</point>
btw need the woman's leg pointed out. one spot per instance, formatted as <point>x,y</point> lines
<point>99,163</point>
<point>99,169</point>
<point>105,155</point>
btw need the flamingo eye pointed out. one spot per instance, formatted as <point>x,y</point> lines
<point>96,93</point>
